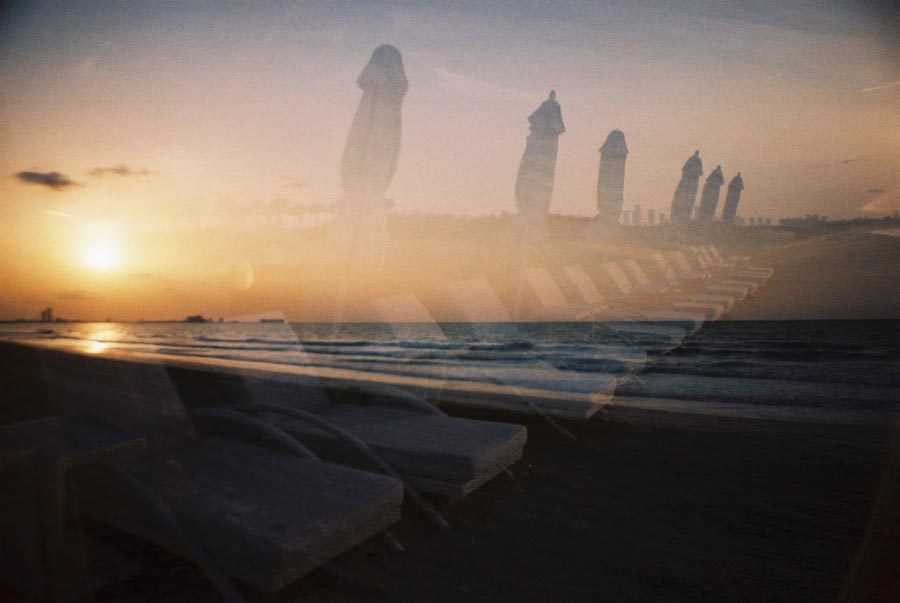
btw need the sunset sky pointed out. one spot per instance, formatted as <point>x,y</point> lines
<point>119,116</point>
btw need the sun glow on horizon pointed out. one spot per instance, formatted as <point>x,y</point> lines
<point>101,257</point>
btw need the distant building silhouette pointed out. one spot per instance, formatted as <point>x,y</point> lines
<point>47,315</point>
<point>810,221</point>
<point>611,178</point>
<point>537,169</point>
<point>638,217</point>
<point>651,217</point>
<point>709,200</point>
<point>686,191</point>
<point>732,199</point>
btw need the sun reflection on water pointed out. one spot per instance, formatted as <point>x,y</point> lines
<point>101,337</point>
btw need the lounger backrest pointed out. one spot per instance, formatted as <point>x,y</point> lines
<point>618,276</point>
<point>136,396</point>
<point>541,283</point>
<point>680,262</point>
<point>583,284</point>
<point>476,301</point>
<point>714,251</point>
<point>664,267</point>
<point>701,259</point>
<point>636,272</point>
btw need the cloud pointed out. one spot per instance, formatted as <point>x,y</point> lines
<point>463,85</point>
<point>882,86</point>
<point>853,160</point>
<point>294,183</point>
<point>78,295</point>
<point>58,214</point>
<point>53,180</point>
<point>874,191</point>
<point>117,170</point>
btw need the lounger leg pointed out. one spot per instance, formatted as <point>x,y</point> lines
<point>252,425</point>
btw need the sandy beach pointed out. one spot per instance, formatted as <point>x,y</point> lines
<point>844,276</point>
<point>641,507</point>
<point>644,504</point>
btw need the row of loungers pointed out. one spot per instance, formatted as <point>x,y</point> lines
<point>259,474</point>
<point>640,308</point>
<point>251,475</point>
<point>666,288</point>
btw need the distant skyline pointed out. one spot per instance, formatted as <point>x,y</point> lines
<point>111,112</point>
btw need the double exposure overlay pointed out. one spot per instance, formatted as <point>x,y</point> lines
<point>448,301</point>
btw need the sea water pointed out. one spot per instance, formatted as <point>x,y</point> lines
<point>833,365</point>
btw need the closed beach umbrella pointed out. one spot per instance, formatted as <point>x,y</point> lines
<point>709,200</point>
<point>537,170</point>
<point>611,179</point>
<point>369,162</point>
<point>732,199</point>
<point>686,192</point>
<point>373,145</point>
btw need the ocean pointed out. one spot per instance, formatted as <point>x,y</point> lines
<point>738,366</point>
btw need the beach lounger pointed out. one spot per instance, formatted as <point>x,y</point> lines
<point>549,302</point>
<point>433,452</point>
<point>265,515</point>
<point>680,272</point>
<point>721,275</point>
<point>707,303</point>
<point>543,289</point>
<point>741,263</point>
<point>676,306</point>
<point>701,258</point>
<point>666,274</point>
<point>739,266</point>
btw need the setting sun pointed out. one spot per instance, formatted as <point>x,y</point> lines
<point>101,257</point>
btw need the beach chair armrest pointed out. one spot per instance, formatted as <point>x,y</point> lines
<point>399,397</point>
<point>221,421</point>
<point>355,442</point>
